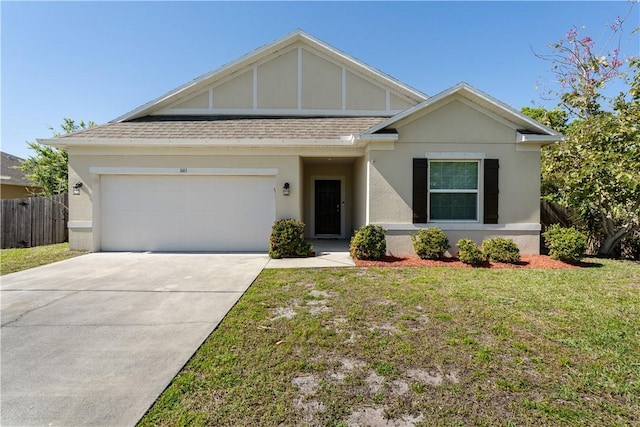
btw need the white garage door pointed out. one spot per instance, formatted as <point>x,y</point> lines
<point>186,213</point>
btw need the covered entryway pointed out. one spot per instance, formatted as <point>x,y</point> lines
<point>186,213</point>
<point>334,196</point>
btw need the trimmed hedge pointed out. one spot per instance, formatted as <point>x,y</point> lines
<point>565,244</point>
<point>470,253</point>
<point>500,249</point>
<point>287,240</point>
<point>430,243</point>
<point>369,242</point>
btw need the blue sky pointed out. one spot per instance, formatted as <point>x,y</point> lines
<point>96,61</point>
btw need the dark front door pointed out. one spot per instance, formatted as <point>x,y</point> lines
<point>328,205</point>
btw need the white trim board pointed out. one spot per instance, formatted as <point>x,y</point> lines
<point>525,226</point>
<point>182,171</point>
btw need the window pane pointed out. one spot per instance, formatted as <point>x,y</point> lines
<point>453,206</point>
<point>453,175</point>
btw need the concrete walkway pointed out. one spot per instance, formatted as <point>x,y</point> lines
<point>329,253</point>
<point>94,340</point>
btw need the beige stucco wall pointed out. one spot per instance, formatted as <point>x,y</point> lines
<point>457,128</point>
<point>360,192</point>
<point>399,242</point>
<point>84,208</point>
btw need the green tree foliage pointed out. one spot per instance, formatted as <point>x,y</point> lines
<point>48,167</point>
<point>596,171</point>
<point>556,119</point>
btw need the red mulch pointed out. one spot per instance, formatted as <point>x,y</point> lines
<point>526,261</point>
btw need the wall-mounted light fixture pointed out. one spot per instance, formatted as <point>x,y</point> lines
<point>286,190</point>
<point>76,188</point>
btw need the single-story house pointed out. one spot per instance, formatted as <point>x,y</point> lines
<point>13,182</point>
<point>298,129</point>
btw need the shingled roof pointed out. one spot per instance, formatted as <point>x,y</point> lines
<point>10,173</point>
<point>230,127</point>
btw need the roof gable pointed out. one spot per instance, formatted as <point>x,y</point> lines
<point>294,75</point>
<point>472,96</point>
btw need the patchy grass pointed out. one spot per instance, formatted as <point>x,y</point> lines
<point>12,260</point>
<point>419,346</point>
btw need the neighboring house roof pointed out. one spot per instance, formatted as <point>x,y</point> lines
<point>259,54</point>
<point>528,125</point>
<point>10,174</point>
<point>229,127</point>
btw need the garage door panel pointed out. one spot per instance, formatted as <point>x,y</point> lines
<point>186,213</point>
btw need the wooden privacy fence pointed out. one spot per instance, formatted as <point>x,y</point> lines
<point>34,221</point>
<point>552,213</point>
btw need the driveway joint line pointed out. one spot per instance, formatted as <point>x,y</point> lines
<point>21,315</point>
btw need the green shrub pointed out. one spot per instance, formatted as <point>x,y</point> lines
<point>430,243</point>
<point>369,242</point>
<point>565,244</point>
<point>500,249</point>
<point>469,252</point>
<point>287,239</point>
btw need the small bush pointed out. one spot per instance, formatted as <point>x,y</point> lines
<point>430,243</point>
<point>470,253</point>
<point>565,244</point>
<point>500,249</point>
<point>369,242</point>
<point>287,239</point>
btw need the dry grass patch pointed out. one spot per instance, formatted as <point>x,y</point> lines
<point>419,346</point>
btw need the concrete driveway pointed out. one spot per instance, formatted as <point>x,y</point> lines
<point>93,340</point>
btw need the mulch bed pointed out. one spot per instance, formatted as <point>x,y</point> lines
<point>526,261</point>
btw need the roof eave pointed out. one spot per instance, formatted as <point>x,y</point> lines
<point>345,141</point>
<point>464,87</point>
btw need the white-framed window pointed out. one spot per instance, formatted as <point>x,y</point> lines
<point>453,190</point>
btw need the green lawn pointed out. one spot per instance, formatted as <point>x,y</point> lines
<point>12,260</point>
<point>424,346</point>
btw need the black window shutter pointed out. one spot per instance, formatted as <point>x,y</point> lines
<point>491,191</point>
<point>420,190</point>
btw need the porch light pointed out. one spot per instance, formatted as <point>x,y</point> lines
<point>286,189</point>
<point>76,188</point>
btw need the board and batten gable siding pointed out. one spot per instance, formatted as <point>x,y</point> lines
<point>295,80</point>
